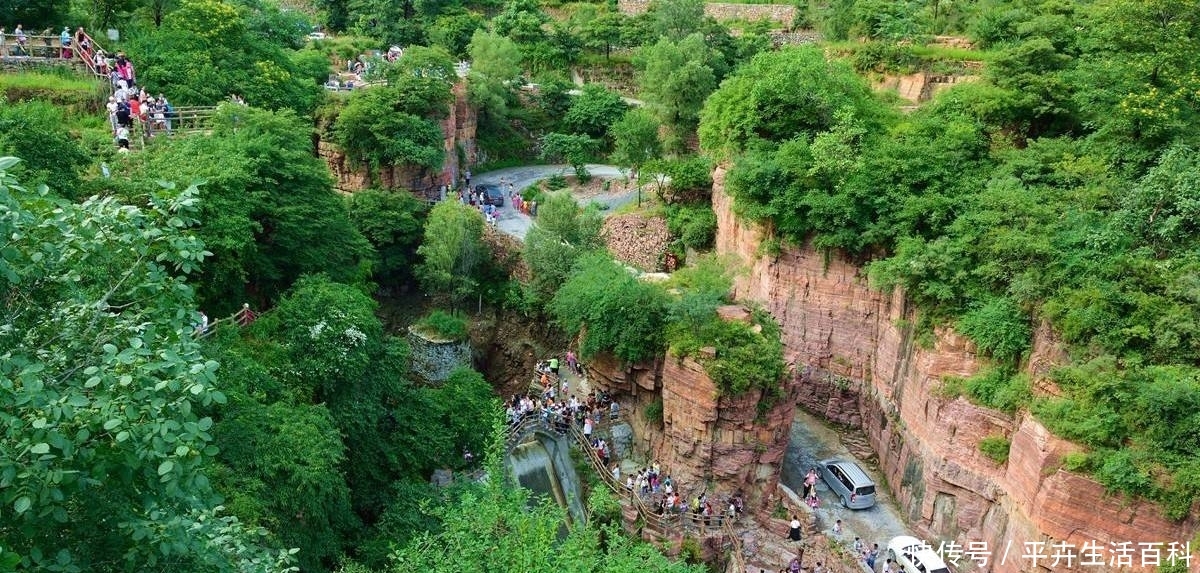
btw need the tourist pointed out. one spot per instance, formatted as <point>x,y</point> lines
<point>22,40</point>
<point>83,43</point>
<point>858,546</point>
<point>887,567</point>
<point>125,69</point>
<point>794,566</point>
<point>553,360</point>
<point>616,473</point>
<point>111,106</point>
<point>794,528</point>
<point>872,555</point>
<point>810,482</point>
<point>837,527</point>
<point>123,138</point>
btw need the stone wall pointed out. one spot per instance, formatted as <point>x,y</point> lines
<point>458,132</point>
<point>860,366</point>
<point>434,360</point>
<point>783,14</point>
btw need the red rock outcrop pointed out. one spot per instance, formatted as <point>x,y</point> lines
<point>705,441</point>
<point>458,132</point>
<point>860,365</point>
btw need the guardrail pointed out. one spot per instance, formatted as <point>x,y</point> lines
<point>669,523</point>
<point>243,317</point>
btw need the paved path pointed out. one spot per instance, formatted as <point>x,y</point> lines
<point>514,223</point>
<point>812,440</point>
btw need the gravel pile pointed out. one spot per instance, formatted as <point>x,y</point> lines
<point>637,240</point>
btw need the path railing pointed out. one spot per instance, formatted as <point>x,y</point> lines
<point>242,317</point>
<point>669,523</point>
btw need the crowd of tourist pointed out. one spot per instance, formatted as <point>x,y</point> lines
<point>550,400</point>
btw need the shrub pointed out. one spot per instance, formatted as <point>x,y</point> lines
<point>556,182</point>
<point>694,226</point>
<point>621,314</point>
<point>441,324</point>
<point>996,448</point>
<point>999,328</point>
<point>1077,462</point>
<point>884,57</point>
<point>997,388</point>
<point>654,412</point>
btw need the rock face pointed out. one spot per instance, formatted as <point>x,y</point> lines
<point>705,441</point>
<point>859,365</point>
<point>458,131</point>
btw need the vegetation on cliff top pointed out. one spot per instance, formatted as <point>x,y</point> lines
<point>1060,188</point>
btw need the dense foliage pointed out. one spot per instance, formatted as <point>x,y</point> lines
<point>524,539</point>
<point>208,50</point>
<point>747,353</point>
<point>268,212</point>
<point>102,383</point>
<point>563,233</point>
<point>622,315</point>
<point>1059,189</point>
<point>398,124</point>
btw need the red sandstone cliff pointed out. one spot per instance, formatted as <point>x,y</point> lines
<point>861,367</point>
<point>705,441</point>
<point>458,131</point>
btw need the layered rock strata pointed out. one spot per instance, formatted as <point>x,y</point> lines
<point>860,366</point>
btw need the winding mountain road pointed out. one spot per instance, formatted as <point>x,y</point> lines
<point>515,223</point>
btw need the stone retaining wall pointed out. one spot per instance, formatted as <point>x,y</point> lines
<point>434,360</point>
<point>783,14</point>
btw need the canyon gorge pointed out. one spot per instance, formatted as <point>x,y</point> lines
<point>855,361</point>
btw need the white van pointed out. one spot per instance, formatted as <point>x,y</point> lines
<point>849,482</point>
<point>915,556</point>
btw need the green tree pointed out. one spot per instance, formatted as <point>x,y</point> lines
<point>105,454</point>
<point>524,539</point>
<point>375,128</point>
<point>604,32</point>
<point>453,31</point>
<point>208,50</point>
<point>562,233</point>
<point>521,21</point>
<point>675,78</point>
<point>572,148</point>
<point>392,222</point>
<point>269,212</point>
<point>780,94</point>
<point>676,19</point>
<point>451,251</point>
<point>621,315</point>
<point>35,131</point>
<point>635,141</point>
<point>283,472</point>
<point>495,67</point>
<point>594,111</point>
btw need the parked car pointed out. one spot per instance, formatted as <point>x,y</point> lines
<point>492,195</point>
<point>915,556</point>
<point>849,482</point>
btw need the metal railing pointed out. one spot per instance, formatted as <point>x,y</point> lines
<point>668,523</point>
